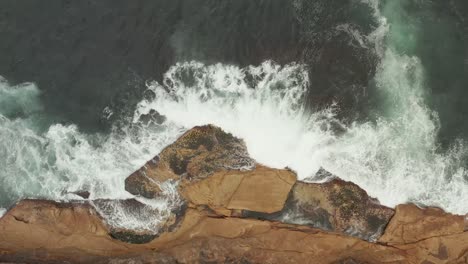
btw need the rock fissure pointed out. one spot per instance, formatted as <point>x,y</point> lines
<point>421,240</point>
<point>19,219</point>
<point>234,192</point>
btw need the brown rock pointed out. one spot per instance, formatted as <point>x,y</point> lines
<point>198,153</point>
<point>207,161</point>
<point>217,226</point>
<point>33,227</point>
<point>155,221</point>
<point>262,189</point>
<point>411,224</point>
<point>428,235</point>
<point>38,237</point>
<point>443,249</point>
<point>335,205</point>
<point>234,240</point>
<point>40,231</point>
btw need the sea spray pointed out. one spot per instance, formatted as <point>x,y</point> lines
<point>395,158</point>
<point>57,161</point>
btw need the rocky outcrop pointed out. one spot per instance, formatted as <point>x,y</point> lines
<point>35,231</point>
<point>412,224</point>
<point>429,235</point>
<point>230,214</point>
<point>195,155</point>
<point>337,206</point>
<point>208,162</point>
<point>262,189</point>
<point>34,227</point>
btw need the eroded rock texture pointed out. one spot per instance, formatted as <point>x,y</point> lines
<point>336,205</point>
<point>195,155</point>
<point>36,231</point>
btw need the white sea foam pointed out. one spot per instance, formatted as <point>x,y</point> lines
<point>54,162</point>
<point>395,159</point>
<point>2,212</point>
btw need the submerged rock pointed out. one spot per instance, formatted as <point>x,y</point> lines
<point>152,117</point>
<point>82,194</point>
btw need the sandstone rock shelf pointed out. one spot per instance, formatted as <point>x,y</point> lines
<point>235,211</point>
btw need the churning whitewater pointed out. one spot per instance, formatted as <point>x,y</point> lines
<point>395,157</point>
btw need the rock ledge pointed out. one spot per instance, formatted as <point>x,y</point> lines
<point>235,211</point>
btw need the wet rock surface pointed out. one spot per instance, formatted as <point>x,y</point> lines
<point>120,215</point>
<point>82,194</point>
<point>195,155</point>
<point>202,238</point>
<point>336,205</point>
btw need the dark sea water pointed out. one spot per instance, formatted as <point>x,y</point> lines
<point>373,91</point>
